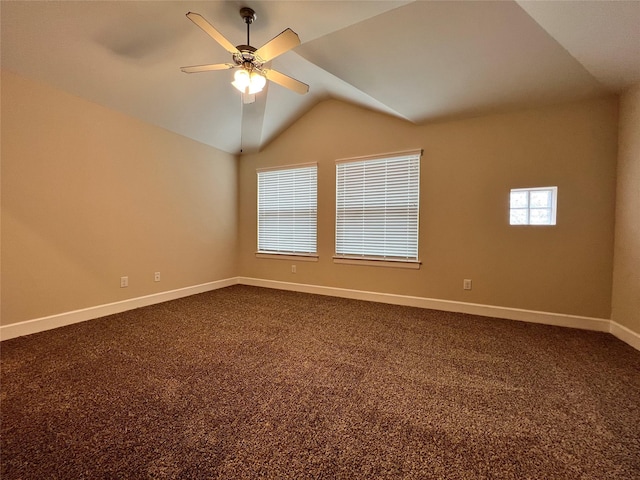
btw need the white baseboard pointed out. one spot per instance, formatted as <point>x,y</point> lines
<point>67,318</point>
<point>547,318</point>
<point>626,335</point>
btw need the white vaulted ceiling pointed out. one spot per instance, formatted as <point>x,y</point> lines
<point>417,60</point>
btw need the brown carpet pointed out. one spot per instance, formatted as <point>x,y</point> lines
<point>247,382</point>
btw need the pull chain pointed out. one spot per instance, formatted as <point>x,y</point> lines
<point>241,117</point>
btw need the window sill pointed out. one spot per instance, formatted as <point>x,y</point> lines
<point>374,262</point>
<point>302,257</point>
<point>532,224</point>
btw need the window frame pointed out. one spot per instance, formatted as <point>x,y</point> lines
<point>284,253</point>
<point>412,207</point>
<point>552,208</point>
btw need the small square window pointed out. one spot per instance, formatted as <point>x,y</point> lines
<point>533,206</point>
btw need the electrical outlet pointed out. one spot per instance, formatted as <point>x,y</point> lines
<point>293,269</point>
<point>466,284</point>
<point>156,277</point>
<point>124,282</point>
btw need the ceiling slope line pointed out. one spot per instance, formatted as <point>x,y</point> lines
<point>587,16</point>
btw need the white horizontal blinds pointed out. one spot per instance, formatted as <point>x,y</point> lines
<point>377,203</point>
<point>287,210</point>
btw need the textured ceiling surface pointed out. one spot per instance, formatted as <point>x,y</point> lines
<point>416,60</point>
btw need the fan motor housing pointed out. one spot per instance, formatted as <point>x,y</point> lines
<point>247,54</point>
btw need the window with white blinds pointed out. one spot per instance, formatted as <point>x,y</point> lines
<point>287,210</point>
<point>377,200</point>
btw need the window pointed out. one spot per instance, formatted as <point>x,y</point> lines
<point>287,210</point>
<point>533,206</point>
<point>377,200</point>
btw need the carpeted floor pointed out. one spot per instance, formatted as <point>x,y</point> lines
<point>246,382</point>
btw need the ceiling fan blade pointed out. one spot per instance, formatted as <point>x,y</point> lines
<point>207,68</point>
<point>283,42</point>
<point>286,81</point>
<point>212,32</point>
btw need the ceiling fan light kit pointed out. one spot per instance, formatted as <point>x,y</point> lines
<point>248,81</point>
<point>251,76</point>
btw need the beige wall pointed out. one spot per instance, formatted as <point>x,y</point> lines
<point>89,195</point>
<point>626,270</point>
<point>468,168</point>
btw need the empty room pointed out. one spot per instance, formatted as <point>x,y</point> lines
<point>320,239</point>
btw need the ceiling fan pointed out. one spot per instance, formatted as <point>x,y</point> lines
<point>251,76</point>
